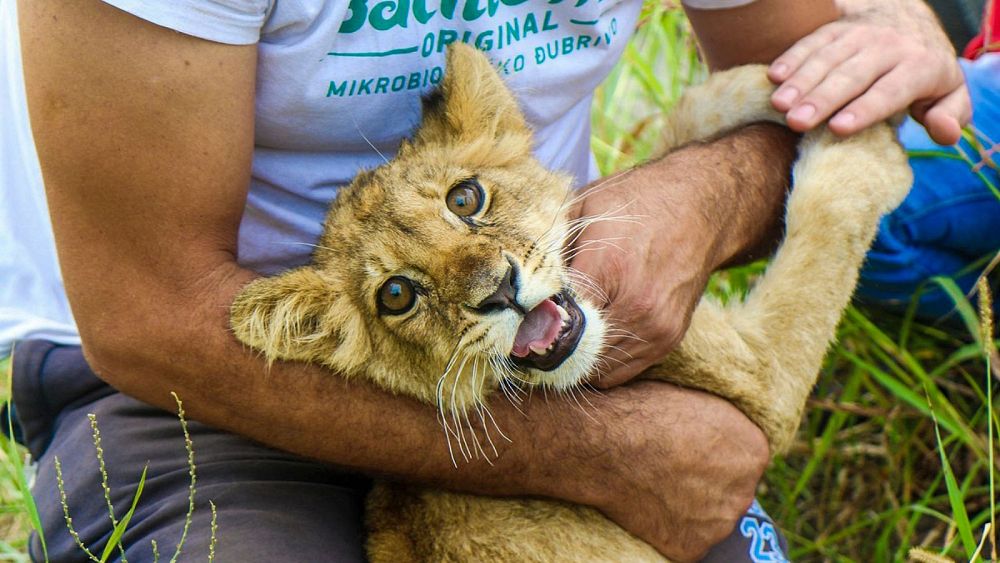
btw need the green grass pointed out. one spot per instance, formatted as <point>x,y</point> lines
<point>895,450</point>
<point>16,506</point>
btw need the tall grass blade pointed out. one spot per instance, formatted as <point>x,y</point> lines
<point>989,348</point>
<point>116,536</point>
<point>955,496</point>
<point>14,456</point>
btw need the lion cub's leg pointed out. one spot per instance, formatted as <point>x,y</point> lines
<point>764,354</point>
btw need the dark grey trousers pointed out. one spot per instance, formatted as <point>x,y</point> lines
<point>272,506</point>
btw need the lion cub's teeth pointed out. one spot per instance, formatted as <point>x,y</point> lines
<point>537,349</point>
<point>562,314</point>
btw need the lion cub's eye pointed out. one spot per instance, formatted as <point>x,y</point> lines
<point>466,198</point>
<point>396,296</point>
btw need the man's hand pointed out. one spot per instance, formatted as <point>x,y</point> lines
<point>882,57</point>
<point>699,461</point>
<point>675,467</point>
<point>678,219</point>
<point>650,259</point>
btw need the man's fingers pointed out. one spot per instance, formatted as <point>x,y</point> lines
<point>945,119</point>
<point>811,73</point>
<point>880,101</point>
<point>790,61</point>
<point>840,85</point>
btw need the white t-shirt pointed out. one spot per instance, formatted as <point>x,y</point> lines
<point>338,86</point>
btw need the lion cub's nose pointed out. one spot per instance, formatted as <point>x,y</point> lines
<point>505,297</point>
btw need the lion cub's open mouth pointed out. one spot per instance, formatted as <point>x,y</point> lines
<point>549,333</point>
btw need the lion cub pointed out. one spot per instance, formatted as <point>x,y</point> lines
<point>440,275</point>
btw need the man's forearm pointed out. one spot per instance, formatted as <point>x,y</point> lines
<point>756,32</point>
<point>612,453</point>
<point>737,183</point>
<point>295,407</point>
<point>701,207</point>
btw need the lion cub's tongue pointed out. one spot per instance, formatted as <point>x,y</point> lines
<point>538,330</point>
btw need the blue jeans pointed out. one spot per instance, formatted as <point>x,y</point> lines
<point>949,223</point>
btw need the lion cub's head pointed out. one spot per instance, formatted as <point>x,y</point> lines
<point>440,274</point>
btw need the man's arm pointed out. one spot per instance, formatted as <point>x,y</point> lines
<point>756,31</point>
<point>704,206</point>
<point>656,281</point>
<point>145,137</point>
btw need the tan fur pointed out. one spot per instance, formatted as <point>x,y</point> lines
<point>762,354</point>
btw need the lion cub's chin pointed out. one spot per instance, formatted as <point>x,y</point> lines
<point>583,362</point>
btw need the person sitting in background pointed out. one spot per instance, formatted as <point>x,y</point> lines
<point>949,225</point>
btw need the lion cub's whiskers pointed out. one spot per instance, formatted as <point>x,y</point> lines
<point>463,446</point>
<point>569,253</point>
<point>439,392</point>
<point>600,186</point>
<point>622,333</point>
<point>571,391</point>
<point>365,137</point>
<point>579,225</point>
<point>620,349</point>
<point>579,278</point>
<point>457,419</point>
<point>568,202</point>
<point>572,197</point>
<point>299,243</point>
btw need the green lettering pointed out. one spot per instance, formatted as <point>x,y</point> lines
<point>359,11</point>
<point>539,55</point>
<point>335,90</point>
<point>484,41</point>
<point>472,11</point>
<point>547,24</point>
<point>446,37</point>
<point>513,31</point>
<point>382,85</point>
<point>397,17</point>
<point>448,8</point>
<point>530,25</point>
<point>567,45</point>
<point>420,12</point>
<point>414,81</point>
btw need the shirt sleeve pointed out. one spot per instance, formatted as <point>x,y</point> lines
<point>716,4</point>
<point>236,22</point>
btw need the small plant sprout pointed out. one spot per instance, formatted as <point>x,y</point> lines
<point>119,526</point>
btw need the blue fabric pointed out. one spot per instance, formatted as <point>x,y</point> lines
<point>951,219</point>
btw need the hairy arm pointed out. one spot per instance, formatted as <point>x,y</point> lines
<point>702,207</point>
<point>878,59</point>
<point>145,137</point>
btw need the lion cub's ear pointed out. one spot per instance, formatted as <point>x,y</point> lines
<point>289,316</point>
<point>471,103</point>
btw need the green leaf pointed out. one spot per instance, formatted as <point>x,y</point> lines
<point>116,535</point>
<point>955,496</point>
<point>10,448</point>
